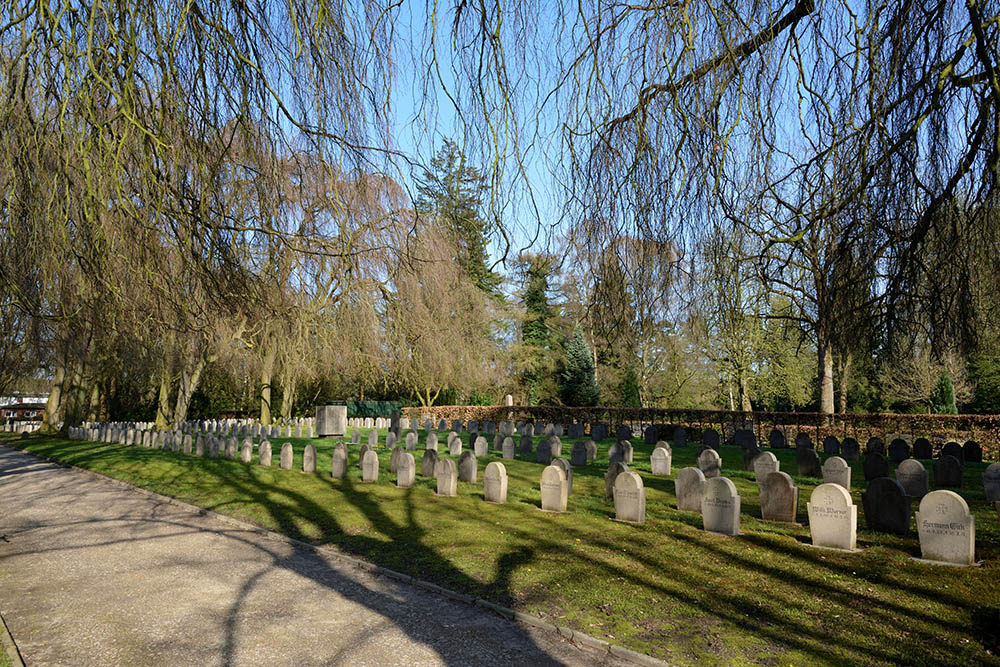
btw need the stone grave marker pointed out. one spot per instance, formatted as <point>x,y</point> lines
<point>833,518</point>
<point>922,449</point>
<point>776,439</point>
<point>555,446</point>
<point>544,452</point>
<point>689,488</point>
<point>555,489</point>
<point>720,506</point>
<point>339,468</point>
<point>246,451</point>
<point>309,459</point>
<point>650,435</point>
<point>591,449</point>
<point>456,426</point>
<point>887,507</point>
<point>831,445</point>
<point>972,452</point>
<point>948,472</point>
<point>495,483</point>
<point>355,437</point>
<point>473,427</point>
<point>285,461</point>
<point>507,449</point>
<point>614,470</point>
<point>779,498</point>
<point>394,459</point>
<point>432,441</point>
<point>390,439</point>
<point>991,482</point>
<point>623,433</point>
<point>875,465</point>
<point>875,446</point>
<point>744,438</point>
<point>369,466</point>
<point>442,425</point>
<point>750,454</point>
<point>808,463</point>
<point>411,440</point>
<point>899,450</point>
<point>481,447</point>
<point>468,468</point>
<point>912,476</point>
<point>199,446</point>
<point>187,443</point>
<point>567,470</point>
<point>764,464</point>
<point>231,448</point>
<point>406,470</point>
<point>954,449</point>
<point>710,438</point>
<point>454,444</point>
<point>710,463</point>
<point>361,454</point>
<point>578,454</point>
<point>428,463</point>
<point>802,440</point>
<point>837,471</point>
<point>630,498</point>
<point>264,453</point>
<point>527,444</point>
<point>850,449</point>
<point>660,460</point>
<point>946,528</point>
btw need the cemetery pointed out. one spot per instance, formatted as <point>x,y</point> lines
<point>647,537</point>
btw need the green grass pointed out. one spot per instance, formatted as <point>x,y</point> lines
<point>666,588</point>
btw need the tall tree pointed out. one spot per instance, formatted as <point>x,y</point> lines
<point>579,386</point>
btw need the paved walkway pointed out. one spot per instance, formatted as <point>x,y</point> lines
<point>93,573</point>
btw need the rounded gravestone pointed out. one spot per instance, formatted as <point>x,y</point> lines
<point>447,477</point>
<point>555,489</point>
<point>468,468</point>
<point>875,445</point>
<point>953,449</point>
<point>836,471</point>
<point>720,506</point>
<point>803,441</point>
<point>567,470</point>
<point>808,463</point>
<point>287,455</point>
<point>972,452</point>
<point>764,464</point>
<point>744,438</point>
<point>779,497</point>
<point>406,470</point>
<point>912,476</point>
<point>948,472</point>
<point>875,466</point>
<point>369,466</point>
<point>710,438</point>
<point>991,482</point>
<point>831,445</point>
<point>428,463</point>
<point>946,528</point>
<point>833,517</point>
<point>495,483</point>
<point>776,439</point>
<point>850,449</point>
<point>680,436</point>
<point>309,459</point>
<point>899,450</point>
<point>630,498</point>
<point>887,507</point>
<point>688,488</point>
<point>710,463</point>
<point>922,449</point>
<point>591,449</point>
<point>614,470</point>
<point>338,469</point>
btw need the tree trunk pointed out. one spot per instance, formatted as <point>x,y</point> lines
<point>190,376</point>
<point>745,404</point>
<point>825,375</point>
<point>844,373</point>
<point>266,376</point>
<point>287,398</point>
<point>163,412</point>
<point>53,407</point>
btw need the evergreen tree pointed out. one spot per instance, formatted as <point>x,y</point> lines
<point>536,356</point>
<point>943,398</point>
<point>579,386</point>
<point>453,191</point>
<point>630,389</point>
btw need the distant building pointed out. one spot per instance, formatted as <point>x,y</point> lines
<point>23,406</point>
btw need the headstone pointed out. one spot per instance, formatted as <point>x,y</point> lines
<point>331,420</point>
<point>875,465</point>
<point>454,444</point>
<point>309,459</point>
<point>764,464</point>
<point>850,449</point>
<point>578,455</point>
<point>744,438</point>
<point>802,440</point>
<point>356,437</point>
<point>428,463</point>
<point>948,472</point>
<point>779,498</point>
<point>555,489</point>
<point>623,433</point>
<point>199,446</point>
<point>710,463</point>
<point>650,435</point>
<point>495,483</point>
<point>390,439</point>
<point>544,452</point>
<point>912,476</point>
<point>394,460</point>
<point>946,528</point>
<point>369,466</point>
<point>567,470</point>
<point>442,425</point>
<point>991,482</point>
<point>750,454</point>
<point>395,422</point>
<point>339,468</point>
<point>361,454</point>
<point>472,427</point>
<point>831,445</point>
<point>187,443</point>
<point>285,462</point>
<point>875,446</point>
<point>490,427</point>
<point>833,518</point>
<point>972,452</point>
<point>264,453</point>
<point>899,450</point>
<point>808,463</point>
<point>614,470</point>
<point>447,477</point>
<point>887,507</point>
<point>720,506</point>
<point>954,449</point>
<point>481,447</point>
<point>406,470</point>
<point>710,438</point>
<point>659,461</point>
<point>432,441</point>
<point>411,440</point>
<point>507,448</point>
<point>555,446</point>
<point>630,498</point>
<point>468,469</point>
<point>591,449</point>
<point>246,451</point>
<point>776,439</point>
<point>922,449</point>
<point>689,488</point>
<point>680,436</point>
<point>837,471</point>
<point>231,448</point>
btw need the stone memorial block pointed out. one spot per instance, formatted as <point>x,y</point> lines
<point>946,528</point>
<point>948,472</point>
<point>507,448</point>
<point>473,427</point>
<point>912,476</point>
<point>390,439</point>
<point>720,506</point>
<point>428,463</point>
<point>442,425</point>
<point>837,471</point>
<point>578,454</point>
<point>549,430</point>
<point>750,455</point>
<point>490,427</point>
<point>614,470</point>
<point>922,449</point>
<point>710,438</point>
<point>744,438</point>
<point>680,436</point>
<point>630,498</point>
<point>285,461</point>
<point>507,427</point>
<point>875,446</point>
<point>339,467</point>
<point>187,443</point>
<point>623,432</point>
<point>972,452</point>
<point>495,483</point>
<point>481,447</point>
<point>288,430</point>
<point>298,430</point>
<point>446,473</point>
<point>887,507</point>
<point>411,440</point>
<point>395,422</point>
<point>394,459</point>
<point>369,466</point>
<point>991,482</point>
<point>432,441</point>
<point>456,426</point>
<point>899,450</point>
<point>264,453</point>
<point>454,444</point>
<point>764,464</point>
<point>213,447</point>
<point>567,470</point>
<point>802,440</point>
<point>850,449</point>
<point>831,445</point>
<point>309,459</point>
<point>808,463</point>
<point>954,449</point>
<point>651,435</point>
<point>414,424</point>
<point>355,437</point>
<point>246,451</point>
<point>231,448</point>
<point>199,446</point>
<point>557,430</point>
<point>875,465</point>
<point>406,470</point>
<point>275,431</point>
<point>689,487</point>
<point>833,518</point>
<point>616,453</point>
<point>555,489</point>
<point>468,468</point>
<point>591,449</point>
<point>779,498</point>
<point>528,429</point>
<point>599,431</point>
<point>710,463</point>
<point>660,460</point>
<point>776,439</point>
<point>428,425</point>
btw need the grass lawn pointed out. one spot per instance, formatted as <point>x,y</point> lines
<point>666,588</point>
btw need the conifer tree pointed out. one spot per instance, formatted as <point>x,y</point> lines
<point>579,386</point>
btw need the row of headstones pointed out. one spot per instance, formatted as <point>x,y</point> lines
<point>299,428</point>
<point>15,426</point>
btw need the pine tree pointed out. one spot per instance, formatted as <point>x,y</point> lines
<point>943,398</point>
<point>579,386</point>
<point>630,389</point>
<point>537,358</point>
<point>453,191</point>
